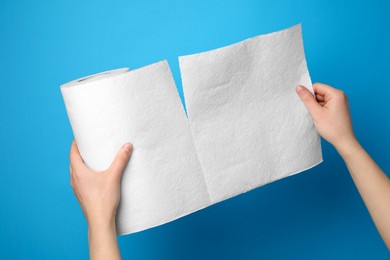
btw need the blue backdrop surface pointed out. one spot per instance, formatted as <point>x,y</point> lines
<point>314,215</point>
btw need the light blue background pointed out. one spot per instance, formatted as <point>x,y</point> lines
<point>314,215</point>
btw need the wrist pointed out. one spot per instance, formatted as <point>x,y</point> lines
<point>102,240</point>
<point>98,233</point>
<point>347,147</point>
<point>99,225</point>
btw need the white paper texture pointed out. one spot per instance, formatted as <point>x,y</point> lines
<point>246,126</point>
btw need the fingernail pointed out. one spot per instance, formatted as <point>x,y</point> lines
<point>127,147</point>
<point>299,89</point>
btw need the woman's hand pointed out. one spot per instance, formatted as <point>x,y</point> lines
<point>98,193</point>
<point>330,112</point>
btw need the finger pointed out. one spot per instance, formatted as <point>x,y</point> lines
<point>71,173</point>
<point>323,89</point>
<point>309,100</point>
<point>73,184</point>
<point>320,98</point>
<point>75,158</point>
<point>76,194</point>
<point>121,159</point>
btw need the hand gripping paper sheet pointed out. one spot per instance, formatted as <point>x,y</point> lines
<point>246,127</point>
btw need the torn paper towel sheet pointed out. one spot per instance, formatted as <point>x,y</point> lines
<point>246,126</point>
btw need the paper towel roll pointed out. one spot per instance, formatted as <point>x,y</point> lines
<point>246,127</point>
<point>163,179</point>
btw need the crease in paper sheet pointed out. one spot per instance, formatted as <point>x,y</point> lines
<point>246,126</point>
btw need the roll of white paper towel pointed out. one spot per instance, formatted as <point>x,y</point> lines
<point>246,126</point>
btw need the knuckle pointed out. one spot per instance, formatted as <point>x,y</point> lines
<point>72,182</point>
<point>75,176</point>
<point>342,95</point>
<point>72,165</point>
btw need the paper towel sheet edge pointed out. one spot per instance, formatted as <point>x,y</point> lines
<point>296,26</point>
<point>212,204</point>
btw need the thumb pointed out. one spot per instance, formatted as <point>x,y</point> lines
<point>121,159</point>
<point>309,100</point>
